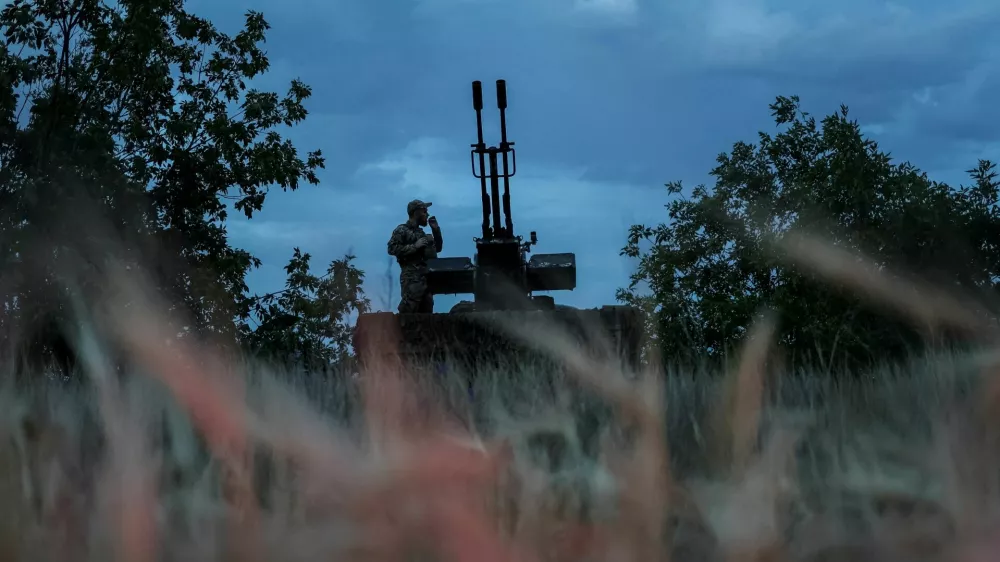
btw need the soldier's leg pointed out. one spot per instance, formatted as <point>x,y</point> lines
<point>409,301</point>
<point>427,302</point>
<point>420,295</point>
<point>412,288</point>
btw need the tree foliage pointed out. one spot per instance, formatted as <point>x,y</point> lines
<point>711,269</point>
<point>144,111</point>
<point>307,324</point>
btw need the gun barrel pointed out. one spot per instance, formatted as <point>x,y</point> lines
<point>505,149</point>
<point>477,95</point>
<point>495,190</point>
<point>477,104</point>
<point>501,94</point>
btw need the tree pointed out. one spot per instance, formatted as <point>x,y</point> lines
<point>307,325</point>
<point>143,110</point>
<point>711,269</point>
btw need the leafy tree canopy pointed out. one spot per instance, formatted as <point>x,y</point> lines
<point>307,323</point>
<point>143,111</point>
<point>711,268</point>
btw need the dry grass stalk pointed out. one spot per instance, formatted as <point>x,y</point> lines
<point>420,486</point>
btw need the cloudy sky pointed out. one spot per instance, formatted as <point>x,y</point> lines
<point>608,100</point>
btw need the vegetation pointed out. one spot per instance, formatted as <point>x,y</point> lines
<point>714,268</point>
<point>142,114</point>
<point>895,467</point>
<point>128,129</point>
<point>305,324</point>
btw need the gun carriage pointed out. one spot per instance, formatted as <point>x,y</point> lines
<point>501,279</point>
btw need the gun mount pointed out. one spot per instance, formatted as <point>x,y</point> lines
<point>500,277</point>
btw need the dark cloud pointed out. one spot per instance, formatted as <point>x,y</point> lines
<point>606,96</point>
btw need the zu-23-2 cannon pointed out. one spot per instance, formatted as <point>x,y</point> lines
<point>500,277</point>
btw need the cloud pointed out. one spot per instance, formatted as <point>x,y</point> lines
<point>418,170</point>
<point>608,12</point>
<point>608,100</point>
<point>570,214</point>
<point>738,32</point>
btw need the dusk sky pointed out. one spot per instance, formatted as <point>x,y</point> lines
<point>608,100</point>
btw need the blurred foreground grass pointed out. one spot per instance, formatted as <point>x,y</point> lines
<point>188,454</point>
<point>235,461</point>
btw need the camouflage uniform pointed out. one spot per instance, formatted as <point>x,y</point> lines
<point>415,298</point>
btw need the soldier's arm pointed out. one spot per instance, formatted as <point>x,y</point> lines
<point>397,245</point>
<point>438,241</point>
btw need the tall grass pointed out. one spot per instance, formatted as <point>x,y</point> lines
<point>193,455</point>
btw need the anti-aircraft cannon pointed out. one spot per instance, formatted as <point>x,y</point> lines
<point>500,277</point>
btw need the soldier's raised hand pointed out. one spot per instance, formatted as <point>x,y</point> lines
<point>433,222</point>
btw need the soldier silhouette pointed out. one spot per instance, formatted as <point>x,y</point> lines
<point>412,247</point>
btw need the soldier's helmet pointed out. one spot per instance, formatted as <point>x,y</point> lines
<point>412,206</point>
